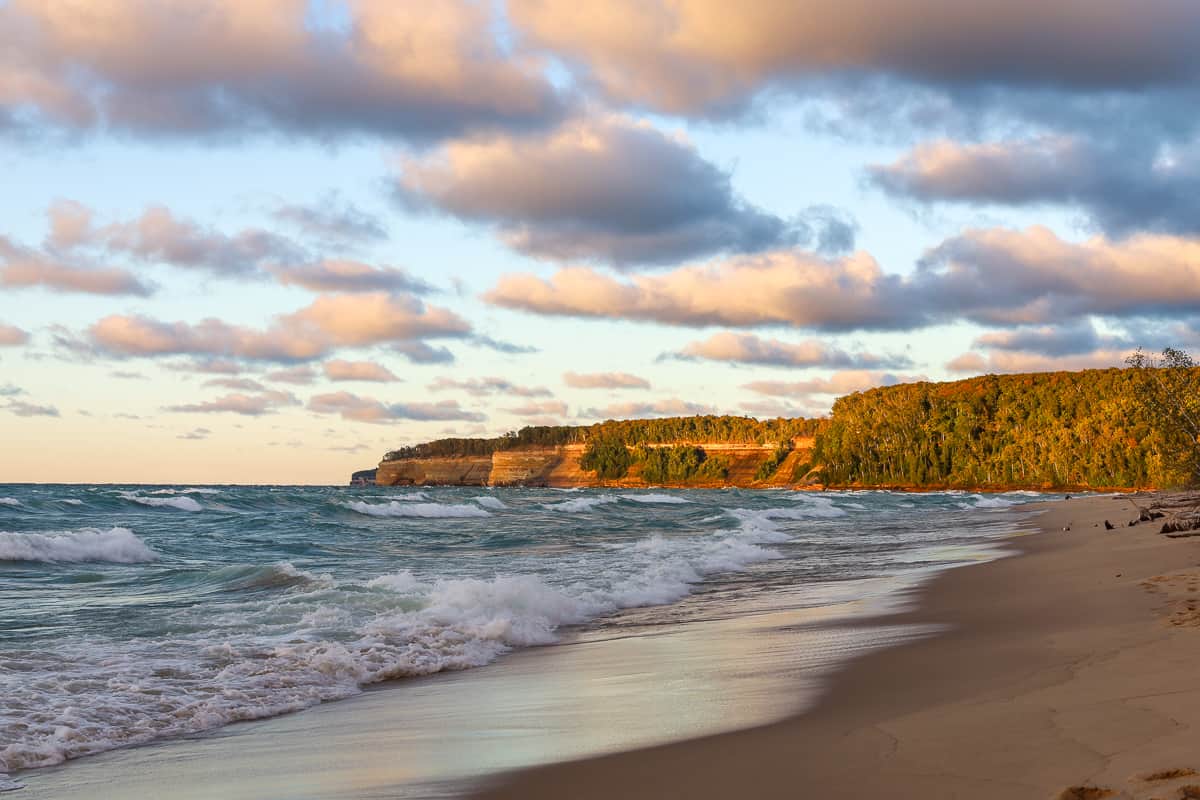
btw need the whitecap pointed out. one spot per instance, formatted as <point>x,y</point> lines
<point>422,510</point>
<point>664,499</point>
<point>579,504</point>
<point>493,503</point>
<point>181,503</point>
<point>9,501</point>
<point>115,545</point>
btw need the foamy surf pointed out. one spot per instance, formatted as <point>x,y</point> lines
<point>180,503</point>
<point>115,545</point>
<point>658,499</point>
<point>580,504</point>
<point>409,509</point>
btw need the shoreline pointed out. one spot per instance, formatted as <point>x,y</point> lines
<point>1060,671</point>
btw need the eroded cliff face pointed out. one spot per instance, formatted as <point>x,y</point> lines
<point>559,467</point>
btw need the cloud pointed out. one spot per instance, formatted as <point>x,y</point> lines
<point>424,353</point>
<point>1003,361</point>
<point>604,380</point>
<point>24,409</point>
<point>670,407</point>
<point>159,237</point>
<point>339,370</point>
<point>992,276</point>
<point>162,68</point>
<point>1006,277</point>
<point>601,188</point>
<point>237,384</point>
<point>1072,339</point>
<point>10,390</point>
<point>350,448</point>
<point>365,409</point>
<point>1135,184</point>
<point>195,434</point>
<point>237,403</point>
<point>330,321</point>
<point>784,287</point>
<point>332,222</point>
<point>546,408</point>
<point>11,335</point>
<point>300,375</point>
<point>695,57</point>
<point>502,346</point>
<point>839,383</point>
<point>770,409</point>
<point>746,348</point>
<point>480,387</point>
<point>208,366</point>
<point>338,275</point>
<point>21,268</point>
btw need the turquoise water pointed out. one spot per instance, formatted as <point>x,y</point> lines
<point>134,614</point>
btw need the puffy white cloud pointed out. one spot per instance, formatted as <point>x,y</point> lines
<point>340,275</point>
<point>21,267</point>
<point>11,335</point>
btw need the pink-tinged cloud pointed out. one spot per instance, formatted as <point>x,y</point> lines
<point>837,384</point>
<point>777,288</point>
<point>300,375</point>
<point>236,403</point>
<point>604,380</point>
<point>366,409</point>
<point>544,409</point>
<point>196,67</point>
<point>158,236</point>
<point>22,268</point>
<point>702,57</point>
<point>11,335</point>
<point>339,370</point>
<point>669,407</point>
<point>1010,361</point>
<point>480,387</point>
<point>340,275</point>
<point>746,348</point>
<point>237,384</point>
<point>330,321</point>
<point>602,188</point>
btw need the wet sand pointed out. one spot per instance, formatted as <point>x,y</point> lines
<point>1072,671</point>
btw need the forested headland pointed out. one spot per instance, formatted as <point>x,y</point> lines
<point>1094,428</point>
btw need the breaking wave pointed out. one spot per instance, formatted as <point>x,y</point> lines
<point>115,545</point>
<point>410,509</point>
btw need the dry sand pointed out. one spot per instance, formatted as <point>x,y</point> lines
<point>1070,672</point>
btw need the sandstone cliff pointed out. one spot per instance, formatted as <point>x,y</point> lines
<point>559,467</point>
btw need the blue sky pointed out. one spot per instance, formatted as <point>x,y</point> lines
<point>740,213</point>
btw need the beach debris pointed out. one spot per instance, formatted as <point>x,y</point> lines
<point>1085,793</point>
<point>1189,792</point>
<point>1169,775</point>
<point>1108,526</point>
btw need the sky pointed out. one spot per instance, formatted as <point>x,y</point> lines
<point>265,241</point>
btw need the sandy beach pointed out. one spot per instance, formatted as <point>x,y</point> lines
<point>1067,672</point>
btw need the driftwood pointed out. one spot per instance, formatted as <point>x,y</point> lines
<point>1181,511</point>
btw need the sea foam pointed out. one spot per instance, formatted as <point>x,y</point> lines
<point>181,503</point>
<point>115,545</point>
<point>580,504</point>
<point>423,510</point>
<point>660,499</point>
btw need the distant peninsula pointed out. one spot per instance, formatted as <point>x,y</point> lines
<point>1068,431</point>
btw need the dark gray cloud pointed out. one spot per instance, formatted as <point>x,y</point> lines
<point>224,68</point>
<point>1071,339</point>
<point>1127,186</point>
<point>603,189</point>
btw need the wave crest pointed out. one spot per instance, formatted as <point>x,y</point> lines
<point>410,509</point>
<point>115,545</point>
